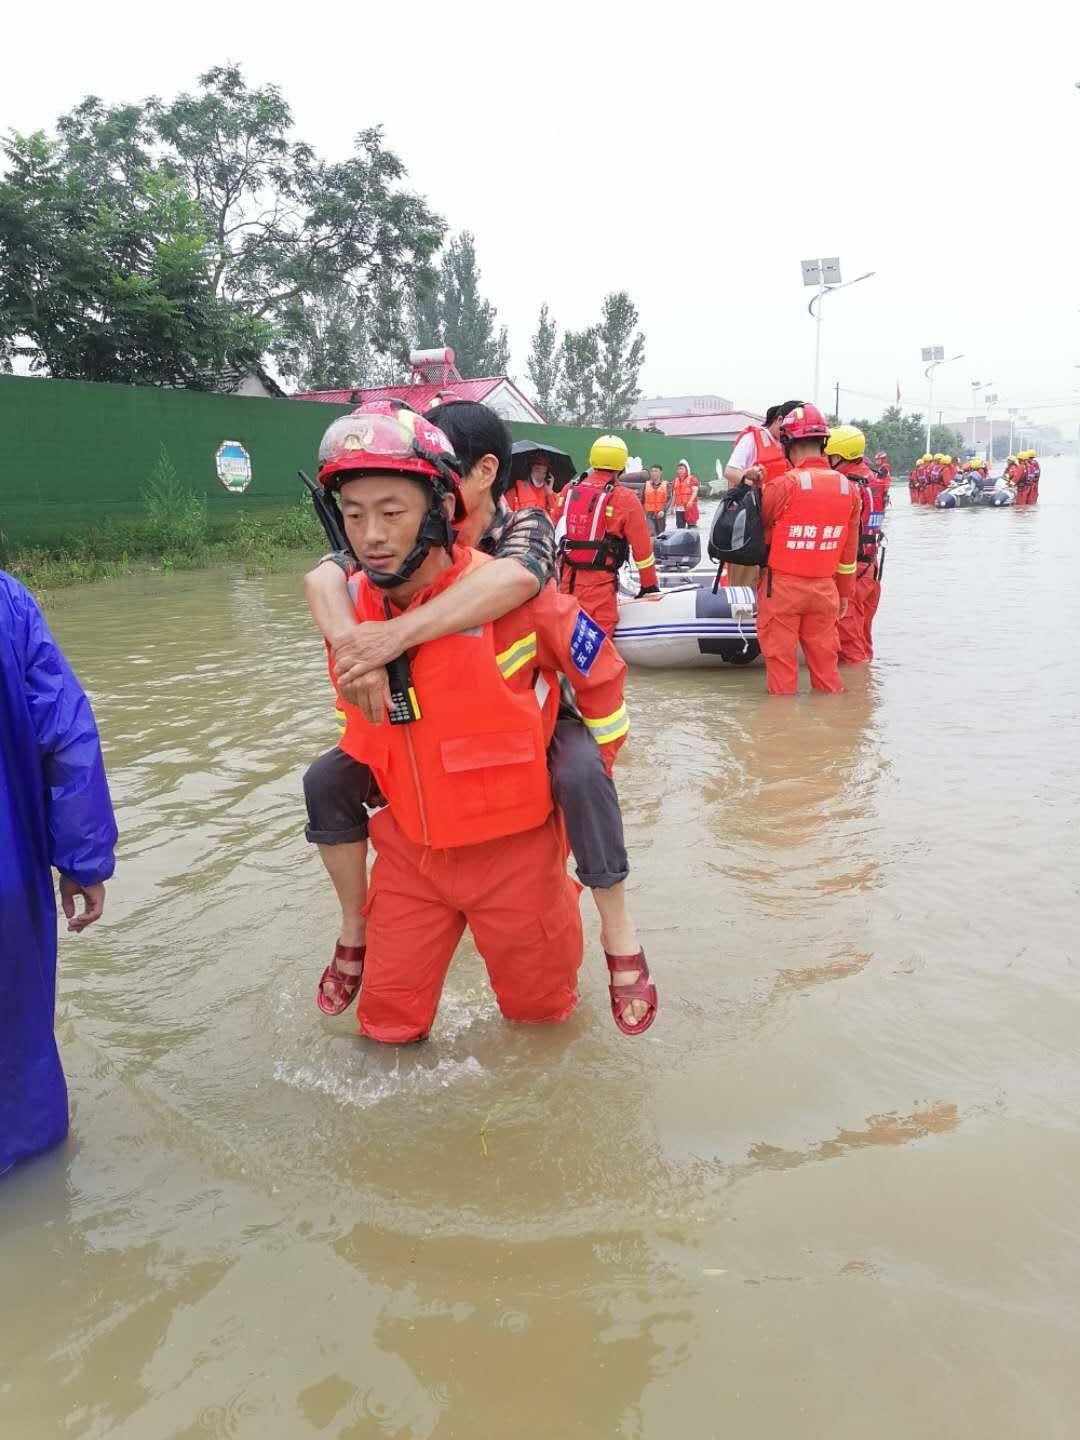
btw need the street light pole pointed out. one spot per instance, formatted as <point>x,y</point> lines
<point>938,359</point>
<point>818,272</point>
<point>976,386</point>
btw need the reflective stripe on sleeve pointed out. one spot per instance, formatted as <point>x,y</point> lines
<point>339,716</point>
<point>845,569</point>
<point>650,559</point>
<point>609,727</point>
<point>519,654</point>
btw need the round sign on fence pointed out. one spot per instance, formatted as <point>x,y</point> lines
<point>233,466</point>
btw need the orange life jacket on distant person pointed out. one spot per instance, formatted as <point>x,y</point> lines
<point>655,497</point>
<point>682,491</point>
<point>861,474</point>
<point>473,767</point>
<point>588,544</point>
<point>809,536</point>
<point>523,495</point>
<point>769,453</point>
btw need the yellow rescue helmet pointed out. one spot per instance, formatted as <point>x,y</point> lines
<point>925,459</point>
<point>1028,455</point>
<point>609,453</point>
<point>846,441</point>
<point>939,458</point>
<point>1011,460</point>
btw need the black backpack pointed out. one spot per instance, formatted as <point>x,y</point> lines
<point>737,536</point>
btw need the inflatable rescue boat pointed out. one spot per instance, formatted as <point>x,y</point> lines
<point>688,626</point>
<point>969,491</point>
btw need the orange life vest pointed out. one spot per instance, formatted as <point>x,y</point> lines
<point>682,492</point>
<point>473,767</point>
<point>861,474</point>
<point>655,497</point>
<point>523,495</point>
<point>588,544</point>
<point>809,536</point>
<point>769,452</point>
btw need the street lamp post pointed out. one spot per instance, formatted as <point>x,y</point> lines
<point>936,355</point>
<point>976,386</point>
<point>991,401</point>
<point>825,275</point>
<point>1012,429</point>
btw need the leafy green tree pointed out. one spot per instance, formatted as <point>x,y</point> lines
<point>577,395</point>
<point>104,259</point>
<point>903,437</point>
<point>468,321</point>
<point>287,225</point>
<point>621,354</point>
<point>153,242</point>
<point>545,361</point>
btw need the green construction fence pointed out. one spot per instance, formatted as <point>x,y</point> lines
<point>75,455</point>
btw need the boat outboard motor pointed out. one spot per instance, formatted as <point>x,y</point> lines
<point>677,550</point>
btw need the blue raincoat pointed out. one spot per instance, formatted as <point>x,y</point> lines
<point>55,810</point>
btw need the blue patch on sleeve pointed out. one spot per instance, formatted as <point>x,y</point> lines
<point>585,642</point>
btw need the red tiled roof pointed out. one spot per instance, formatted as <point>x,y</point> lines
<point>418,396</point>
<point>720,422</point>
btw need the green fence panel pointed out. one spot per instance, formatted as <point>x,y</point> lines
<point>75,455</point>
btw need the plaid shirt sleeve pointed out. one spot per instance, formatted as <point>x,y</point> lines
<point>527,536</point>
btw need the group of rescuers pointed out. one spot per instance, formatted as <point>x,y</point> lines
<point>480,697</point>
<point>932,474</point>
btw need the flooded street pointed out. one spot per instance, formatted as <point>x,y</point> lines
<point>835,1192</point>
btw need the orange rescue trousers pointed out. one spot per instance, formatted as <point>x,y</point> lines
<point>856,625</point>
<point>516,898</point>
<point>595,591</point>
<point>799,611</point>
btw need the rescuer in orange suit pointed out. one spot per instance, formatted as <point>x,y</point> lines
<point>691,489</point>
<point>533,490</point>
<point>846,452</point>
<point>810,517</point>
<point>604,525</point>
<point>756,456</point>
<point>683,491</point>
<point>883,478</point>
<point>470,835</point>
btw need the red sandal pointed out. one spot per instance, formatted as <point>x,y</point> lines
<point>343,987</point>
<point>640,988</point>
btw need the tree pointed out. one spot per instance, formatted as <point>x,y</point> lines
<point>621,356</point>
<point>288,226</point>
<point>545,362</point>
<point>461,318</point>
<point>904,438</point>
<point>104,264</point>
<point>257,230</point>
<point>577,397</point>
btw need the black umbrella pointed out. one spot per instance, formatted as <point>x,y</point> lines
<point>525,453</point>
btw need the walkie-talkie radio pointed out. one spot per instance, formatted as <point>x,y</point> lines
<point>404,706</point>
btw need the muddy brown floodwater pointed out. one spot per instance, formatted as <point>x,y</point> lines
<point>834,1193</point>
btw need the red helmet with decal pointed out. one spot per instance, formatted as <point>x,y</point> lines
<point>386,437</point>
<point>805,422</point>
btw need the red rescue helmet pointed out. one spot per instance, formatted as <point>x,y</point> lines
<point>386,437</point>
<point>805,422</point>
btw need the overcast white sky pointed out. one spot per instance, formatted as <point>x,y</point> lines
<point>690,153</point>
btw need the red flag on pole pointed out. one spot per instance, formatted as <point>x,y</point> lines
<point>898,392</point>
